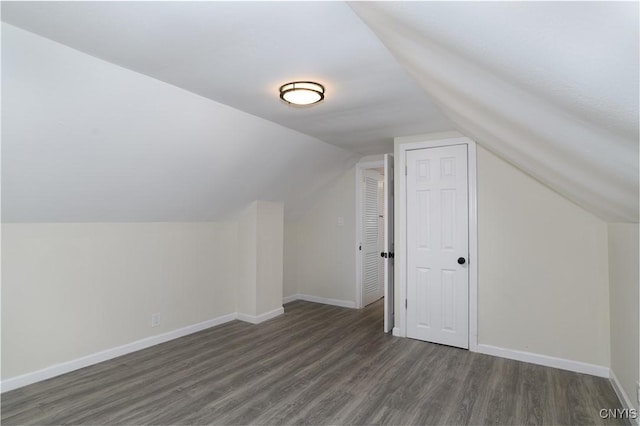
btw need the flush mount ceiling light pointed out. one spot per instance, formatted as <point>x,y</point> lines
<point>302,93</point>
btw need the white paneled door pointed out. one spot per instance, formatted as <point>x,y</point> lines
<point>438,245</point>
<point>388,243</point>
<point>372,236</point>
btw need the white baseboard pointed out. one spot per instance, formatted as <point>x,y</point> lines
<point>622,395</point>
<point>68,366</point>
<point>548,361</point>
<point>85,361</point>
<point>316,299</point>
<point>326,301</point>
<point>290,298</point>
<point>257,319</point>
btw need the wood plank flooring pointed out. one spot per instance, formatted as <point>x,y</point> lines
<point>316,364</point>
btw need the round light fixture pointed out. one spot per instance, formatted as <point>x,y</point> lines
<point>302,93</point>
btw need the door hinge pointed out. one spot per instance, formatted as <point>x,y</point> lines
<point>406,305</point>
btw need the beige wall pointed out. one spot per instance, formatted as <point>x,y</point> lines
<point>290,284</point>
<point>269,263</point>
<point>70,290</point>
<point>74,289</point>
<point>543,278</point>
<point>247,257</point>
<point>260,254</point>
<point>625,324</point>
<point>320,253</point>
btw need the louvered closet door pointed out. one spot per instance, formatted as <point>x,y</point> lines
<point>372,266</point>
<point>438,245</point>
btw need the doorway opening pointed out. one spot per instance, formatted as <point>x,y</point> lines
<point>374,235</point>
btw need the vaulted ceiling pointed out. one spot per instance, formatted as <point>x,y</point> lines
<point>240,53</point>
<point>551,87</point>
<point>143,111</point>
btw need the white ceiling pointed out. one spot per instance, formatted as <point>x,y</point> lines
<point>551,87</point>
<point>87,141</point>
<point>239,53</point>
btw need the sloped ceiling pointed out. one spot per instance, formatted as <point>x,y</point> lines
<point>86,141</point>
<point>240,53</point>
<point>550,87</point>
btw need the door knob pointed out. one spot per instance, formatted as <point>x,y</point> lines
<point>461,260</point>
<point>383,254</point>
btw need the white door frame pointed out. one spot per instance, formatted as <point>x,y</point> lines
<point>420,142</point>
<point>389,264</point>
<point>359,168</point>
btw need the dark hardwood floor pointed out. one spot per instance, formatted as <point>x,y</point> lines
<point>317,364</point>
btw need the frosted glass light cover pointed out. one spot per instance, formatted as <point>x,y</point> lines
<point>302,93</point>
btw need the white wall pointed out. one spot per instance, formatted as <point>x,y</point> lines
<point>320,253</point>
<point>70,290</point>
<point>625,323</point>
<point>543,279</point>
